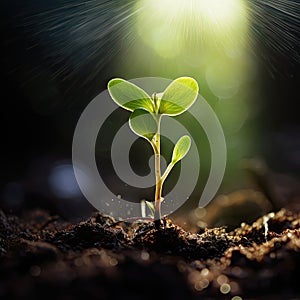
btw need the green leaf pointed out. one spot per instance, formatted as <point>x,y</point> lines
<point>128,95</point>
<point>143,123</point>
<point>181,148</point>
<point>151,207</point>
<point>178,96</point>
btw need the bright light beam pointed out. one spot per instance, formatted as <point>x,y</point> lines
<point>168,25</point>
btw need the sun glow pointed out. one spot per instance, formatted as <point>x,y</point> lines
<point>220,12</point>
<point>170,25</point>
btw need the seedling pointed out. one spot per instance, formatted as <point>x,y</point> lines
<point>145,119</point>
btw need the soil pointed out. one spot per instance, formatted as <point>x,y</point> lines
<point>44,257</point>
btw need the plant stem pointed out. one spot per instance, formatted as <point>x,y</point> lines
<point>166,173</point>
<point>158,179</point>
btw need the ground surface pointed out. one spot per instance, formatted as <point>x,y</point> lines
<point>42,256</point>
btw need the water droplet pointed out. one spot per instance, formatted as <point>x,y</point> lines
<point>225,288</point>
<point>205,272</point>
<point>112,262</point>
<point>145,255</point>
<point>222,279</point>
<point>201,285</point>
<point>236,298</point>
<point>200,212</point>
<point>201,224</point>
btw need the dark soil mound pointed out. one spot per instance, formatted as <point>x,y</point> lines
<point>43,257</point>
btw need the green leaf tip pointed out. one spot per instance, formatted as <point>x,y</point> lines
<point>181,148</point>
<point>179,96</point>
<point>128,95</point>
<point>143,123</point>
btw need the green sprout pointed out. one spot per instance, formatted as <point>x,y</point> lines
<point>145,119</point>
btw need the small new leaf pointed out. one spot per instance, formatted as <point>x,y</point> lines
<point>179,96</point>
<point>143,123</point>
<point>128,95</point>
<point>151,207</point>
<point>181,148</point>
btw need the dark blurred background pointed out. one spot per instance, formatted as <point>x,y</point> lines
<point>56,57</point>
